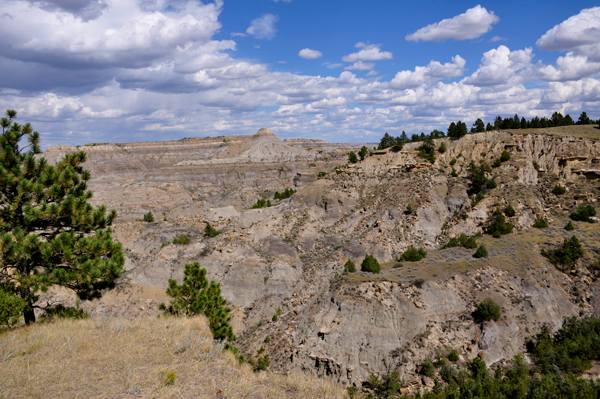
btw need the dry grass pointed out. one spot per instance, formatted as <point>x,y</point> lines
<point>123,359</point>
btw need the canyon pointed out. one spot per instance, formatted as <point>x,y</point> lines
<point>288,259</point>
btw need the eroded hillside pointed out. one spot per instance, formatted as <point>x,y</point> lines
<point>291,255</point>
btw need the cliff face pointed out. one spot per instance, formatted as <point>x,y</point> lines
<point>291,255</point>
<point>186,178</point>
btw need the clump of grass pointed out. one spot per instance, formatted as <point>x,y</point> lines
<point>278,313</point>
<point>181,239</point>
<point>211,231</point>
<point>559,190</point>
<point>167,377</point>
<point>540,223</point>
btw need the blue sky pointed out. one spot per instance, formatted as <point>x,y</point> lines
<point>137,70</point>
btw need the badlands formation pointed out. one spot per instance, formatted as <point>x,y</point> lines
<point>290,256</point>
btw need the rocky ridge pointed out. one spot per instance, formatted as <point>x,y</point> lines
<point>291,255</point>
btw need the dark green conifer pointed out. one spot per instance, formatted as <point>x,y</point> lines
<point>198,295</point>
<point>49,234</point>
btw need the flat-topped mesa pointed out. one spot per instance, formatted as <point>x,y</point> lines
<point>263,132</point>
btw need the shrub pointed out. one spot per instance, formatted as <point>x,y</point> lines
<point>370,265</point>
<point>167,377</point>
<point>487,310</point>
<point>440,362</point>
<point>448,373</point>
<point>261,203</point>
<point>352,158</point>
<point>510,211</point>
<point>148,217</point>
<point>349,267</point>
<point>408,210</point>
<point>412,254</point>
<point>499,227</point>
<point>497,163</point>
<point>267,339</point>
<point>262,364</point>
<point>454,173</point>
<point>481,252</point>
<point>198,295</point>
<point>461,241</point>
<point>11,307</point>
<point>565,256</point>
<point>181,239</point>
<point>418,282</point>
<point>211,231</point>
<point>536,166</point>
<point>453,356</point>
<point>278,313</point>
<point>476,199</point>
<point>364,151</point>
<point>569,226</point>
<point>322,174</point>
<point>427,368</point>
<point>505,156</point>
<point>491,184</point>
<point>559,190</point>
<point>62,312</point>
<point>540,223</point>
<point>427,150</point>
<point>570,349</point>
<point>288,192</point>
<point>442,148</point>
<point>453,162</point>
<point>388,387</point>
<point>584,213</point>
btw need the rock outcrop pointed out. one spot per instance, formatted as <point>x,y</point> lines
<point>291,255</point>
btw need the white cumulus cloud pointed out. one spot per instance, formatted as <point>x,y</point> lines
<point>368,52</point>
<point>263,27</point>
<point>570,67</point>
<point>501,66</point>
<point>579,30</point>
<point>470,25</point>
<point>309,54</point>
<point>429,74</point>
<point>360,66</point>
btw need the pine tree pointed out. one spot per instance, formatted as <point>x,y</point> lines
<point>584,119</point>
<point>352,158</point>
<point>197,295</point>
<point>478,126</point>
<point>370,265</point>
<point>363,153</point>
<point>49,234</point>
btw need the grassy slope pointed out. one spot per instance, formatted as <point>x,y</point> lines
<point>123,359</point>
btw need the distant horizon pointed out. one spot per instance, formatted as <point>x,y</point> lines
<point>346,72</point>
